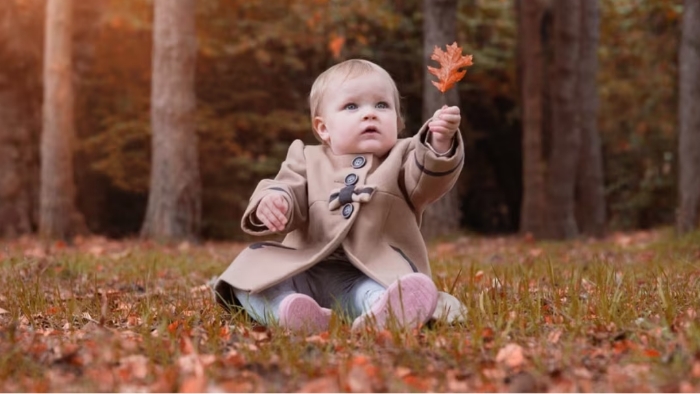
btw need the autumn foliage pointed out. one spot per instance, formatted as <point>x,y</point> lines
<point>450,63</point>
<point>253,78</point>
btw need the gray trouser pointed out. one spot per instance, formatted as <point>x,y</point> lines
<point>333,284</point>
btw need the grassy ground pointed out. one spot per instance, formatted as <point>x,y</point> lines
<point>614,315</point>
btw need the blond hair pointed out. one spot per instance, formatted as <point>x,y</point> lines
<point>346,70</point>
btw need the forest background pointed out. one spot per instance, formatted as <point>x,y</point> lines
<point>256,61</point>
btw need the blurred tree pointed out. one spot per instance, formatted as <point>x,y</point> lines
<point>439,29</point>
<point>174,202</point>
<point>561,175</point>
<point>562,171</point>
<point>689,119</point>
<point>257,59</point>
<point>255,65</point>
<point>532,62</point>
<point>58,216</point>
<point>20,57</point>
<point>491,181</point>
<point>638,84</point>
<point>15,198</point>
<point>113,56</point>
<point>590,182</point>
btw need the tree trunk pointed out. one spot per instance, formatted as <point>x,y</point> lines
<point>19,125</point>
<point>439,29</point>
<point>689,119</point>
<point>16,199</point>
<point>530,20</point>
<point>174,201</point>
<point>58,216</point>
<point>561,220</point>
<point>590,204</point>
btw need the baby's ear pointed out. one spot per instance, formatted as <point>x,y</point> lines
<point>400,125</point>
<point>320,127</point>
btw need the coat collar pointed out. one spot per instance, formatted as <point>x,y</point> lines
<point>348,160</point>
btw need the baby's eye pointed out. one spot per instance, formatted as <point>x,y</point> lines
<point>350,106</point>
<point>382,105</point>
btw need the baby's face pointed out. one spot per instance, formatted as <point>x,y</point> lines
<point>359,116</point>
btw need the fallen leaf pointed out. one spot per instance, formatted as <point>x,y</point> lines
<point>686,387</point>
<point>487,334</point>
<point>172,327</point>
<point>194,384</point>
<point>260,336</point>
<point>200,289</point>
<point>553,336</point>
<point>165,381</point>
<point>417,383</point>
<point>321,339</point>
<point>326,384</point>
<point>357,380</point>
<point>184,246</point>
<point>456,382</point>
<point>234,359</point>
<point>695,372</point>
<point>445,248</point>
<point>224,333</point>
<point>234,386</point>
<point>450,62</point>
<point>103,378</point>
<point>96,250</point>
<point>583,373</point>
<point>401,372</point>
<point>133,367</point>
<point>511,355</point>
<point>535,252</point>
<point>359,360</point>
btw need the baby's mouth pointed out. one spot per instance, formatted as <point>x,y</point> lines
<point>370,129</point>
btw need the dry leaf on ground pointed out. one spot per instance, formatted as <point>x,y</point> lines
<point>511,355</point>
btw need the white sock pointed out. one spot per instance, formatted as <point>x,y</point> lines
<point>365,294</point>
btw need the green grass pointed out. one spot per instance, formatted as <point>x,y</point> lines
<point>614,315</point>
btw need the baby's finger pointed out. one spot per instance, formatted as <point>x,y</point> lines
<point>265,221</point>
<point>450,118</point>
<point>272,219</point>
<point>280,217</point>
<point>451,110</point>
<point>281,204</point>
<point>442,131</point>
<point>438,124</point>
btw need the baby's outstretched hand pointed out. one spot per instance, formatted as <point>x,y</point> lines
<point>443,127</point>
<point>272,211</point>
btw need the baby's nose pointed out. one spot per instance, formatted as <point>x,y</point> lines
<point>369,114</point>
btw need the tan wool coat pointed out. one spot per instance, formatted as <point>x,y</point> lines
<point>370,206</point>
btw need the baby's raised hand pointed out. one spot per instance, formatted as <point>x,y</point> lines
<point>443,127</point>
<point>272,211</point>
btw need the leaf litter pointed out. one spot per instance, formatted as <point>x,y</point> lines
<point>619,314</point>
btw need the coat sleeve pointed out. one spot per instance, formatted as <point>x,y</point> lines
<point>427,176</point>
<point>291,182</point>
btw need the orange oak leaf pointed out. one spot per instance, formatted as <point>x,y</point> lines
<point>335,45</point>
<point>450,63</point>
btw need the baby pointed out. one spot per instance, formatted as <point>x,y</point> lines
<point>351,210</point>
